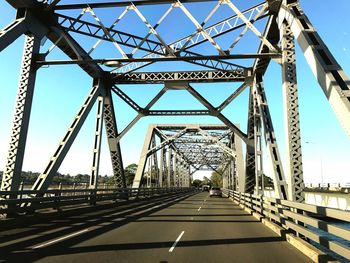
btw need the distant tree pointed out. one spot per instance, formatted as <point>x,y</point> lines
<point>268,182</point>
<point>216,179</point>
<point>206,181</point>
<point>197,183</point>
<point>129,173</point>
<point>82,178</point>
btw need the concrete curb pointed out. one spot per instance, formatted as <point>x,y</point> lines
<point>304,247</point>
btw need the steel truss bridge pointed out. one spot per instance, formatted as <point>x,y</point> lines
<point>211,53</point>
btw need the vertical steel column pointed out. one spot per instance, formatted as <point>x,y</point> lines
<point>291,109</point>
<point>257,143</point>
<point>12,173</point>
<point>226,180</point>
<point>170,167</point>
<point>97,143</point>
<point>155,162</point>
<point>112,134</point>
<point>250,180</point>
<point>162,166</point>
<point>234,175</point>
<point>176,170</point>
<point>149,173</point>
<point>182,182</point>
<point>270,140</point>
<point>188,176</point>
<point>238,165</point>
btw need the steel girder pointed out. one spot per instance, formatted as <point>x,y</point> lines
<point>86,28</point>
<point>280,184</point>
<point>93,183</point>
<point>329,74</point>
<point>12,174</point>
<point>34,17</point>
<point>158,48</point>
<point>45,178</point>
<point>249,182</point>
<point>143,158</point>
<point>290,96</point>
<point>258,146</point>
<point>41,19</point>
<point>179,85</point>
<point>190,76</point>
<point>112,135</point>
<point>11,32</point>
<point>187,146</point>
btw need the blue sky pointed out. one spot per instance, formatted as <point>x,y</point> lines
<point>60,90</point>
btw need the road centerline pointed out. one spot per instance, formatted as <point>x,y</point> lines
<point>61,238</point>
<point>176,241</point>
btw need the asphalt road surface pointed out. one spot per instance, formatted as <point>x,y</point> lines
<point>178,228</point>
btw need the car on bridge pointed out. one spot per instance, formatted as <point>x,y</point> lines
<point>205,188</point>
<point>215,191</point>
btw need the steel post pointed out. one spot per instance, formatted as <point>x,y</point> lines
<point>249,180</point>
<point>291,108</point>
<point>12,173</point>
<point>97,143</point>
<point>112,134</point>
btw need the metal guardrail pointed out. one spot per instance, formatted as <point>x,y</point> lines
<point>322,225</point>
<point>328,185</point>
<point>29,200</point>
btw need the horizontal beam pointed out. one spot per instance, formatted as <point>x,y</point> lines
<point>123,3</point>
<point>114,61</point>
<point>178,112</point>
<point>191,126</point>
<point>190,76</point>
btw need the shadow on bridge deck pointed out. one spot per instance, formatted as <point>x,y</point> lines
<point>207,230</point>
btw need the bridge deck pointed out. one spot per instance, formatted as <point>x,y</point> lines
<point>214,230</point>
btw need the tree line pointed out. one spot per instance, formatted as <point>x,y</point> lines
<point>29,177</point>
<point>215,180</point>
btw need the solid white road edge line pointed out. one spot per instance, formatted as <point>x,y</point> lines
<point>177,240</point>
<point>61,238</point>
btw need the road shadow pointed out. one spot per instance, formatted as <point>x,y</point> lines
<point>16,252</point>
<point>57,250</point>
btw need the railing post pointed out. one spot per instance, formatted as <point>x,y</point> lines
<point>21,190</point>
<point>58,197</point>
<point>93,193</point>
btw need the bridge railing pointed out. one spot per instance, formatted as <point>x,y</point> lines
<point>327,227</point>
<point>29,200</point>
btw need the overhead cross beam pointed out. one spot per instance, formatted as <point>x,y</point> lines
<point>198,146</point>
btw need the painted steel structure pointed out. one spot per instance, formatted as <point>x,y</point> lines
<point>190,148</point>
<point>275,24</point>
